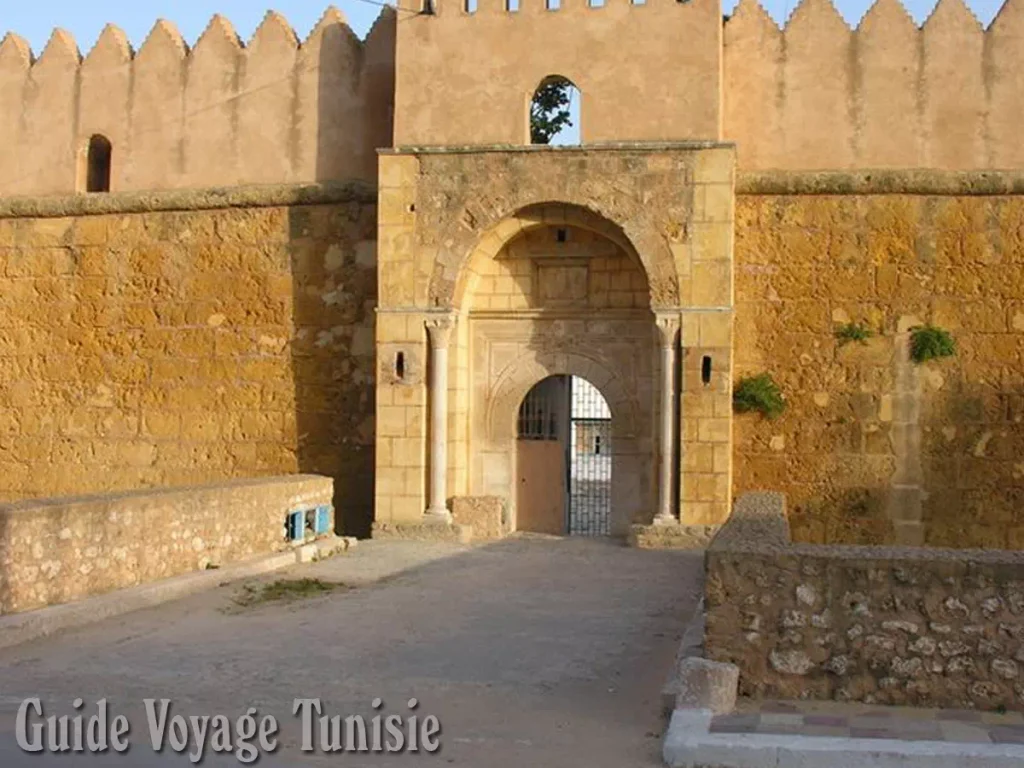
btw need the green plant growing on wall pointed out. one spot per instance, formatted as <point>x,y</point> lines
<point>853,332</point>
<point>928,342</point>
<point>759,393</point>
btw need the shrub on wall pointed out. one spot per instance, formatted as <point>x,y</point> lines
<point>759,393</point>
<point>853,332</point>
<point>928,342</point>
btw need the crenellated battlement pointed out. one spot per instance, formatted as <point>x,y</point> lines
<point>113,41</point>
<point>442,9</point>
<point>812,93</point>
<point>818,93</point>
<point>275,109</point>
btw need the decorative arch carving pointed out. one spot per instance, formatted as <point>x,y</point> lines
<point>522,374</point>
<point>647,207</point>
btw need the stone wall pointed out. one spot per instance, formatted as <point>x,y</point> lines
<point>60,550</point>
<point>888,94</point>
<point>925,627</point>
<point>223,113</point>
<point>645,72</point>
<point>660,215</point>
<point>188,337</point>
<point>874,448</point>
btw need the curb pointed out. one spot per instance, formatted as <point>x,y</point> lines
<point>21,628</point>
<point>689,743</point>
<point>690,645</point>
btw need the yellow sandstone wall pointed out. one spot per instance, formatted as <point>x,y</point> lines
<point>874,448</point>
<point>189,344</point>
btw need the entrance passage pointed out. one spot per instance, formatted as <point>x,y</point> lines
<point>564,459</point>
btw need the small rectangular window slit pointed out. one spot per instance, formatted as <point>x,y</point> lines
<point>705,370</point>
<point>400,366</point>
<point>561,235</point>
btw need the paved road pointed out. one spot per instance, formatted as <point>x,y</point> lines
<point>530,652</point>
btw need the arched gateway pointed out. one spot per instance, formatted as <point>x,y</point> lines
<point>557,270</point>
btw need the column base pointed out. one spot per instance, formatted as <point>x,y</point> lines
<point>427,530</point>
<point>439,516</point>
<point>671,536</point>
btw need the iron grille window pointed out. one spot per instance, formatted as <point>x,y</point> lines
<point>538,415</point>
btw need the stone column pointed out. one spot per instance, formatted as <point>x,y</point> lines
<point>667,327</point>
<point>439,330</point>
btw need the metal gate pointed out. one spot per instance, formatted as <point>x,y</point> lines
<point>589,461</point>
<point>573,412</point>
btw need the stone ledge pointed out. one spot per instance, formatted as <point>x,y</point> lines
<point>251,196</point>
<point>686,145</point>
<point>912,181</point>
<point>453,533</point>
<point>689,537</point>
<point>19,628</point>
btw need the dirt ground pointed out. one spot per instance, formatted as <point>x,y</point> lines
<point>530,652</point>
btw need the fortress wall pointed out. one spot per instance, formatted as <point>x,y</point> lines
<point>646,72</point>
<point>818,95</point>
<point>275,111</point>
<point>156,118</point>
<point>175,338</point>
<point>871,444</point>
<point>1003,68</point>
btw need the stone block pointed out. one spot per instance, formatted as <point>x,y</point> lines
<point>687,537</point>
<point>444,532</point>
<point>486,515</point>
<point>708,685</point>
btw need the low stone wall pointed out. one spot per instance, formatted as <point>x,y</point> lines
<point>927,627</point>
<point>60,550</point>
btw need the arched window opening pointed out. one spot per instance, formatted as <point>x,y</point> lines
<point>98,160</point>
<point>555,113</point>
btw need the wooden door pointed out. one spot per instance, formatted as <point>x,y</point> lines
<point>540,490</point>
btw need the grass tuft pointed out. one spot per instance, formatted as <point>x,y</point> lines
<point>759,393</point>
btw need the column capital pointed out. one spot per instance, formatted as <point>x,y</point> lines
<point>667,327</point>
<point>439,328</point>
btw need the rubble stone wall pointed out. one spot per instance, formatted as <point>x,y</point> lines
<point>926,627</point>
<point>60,550</point>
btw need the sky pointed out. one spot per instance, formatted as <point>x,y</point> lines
<point>35,19</point>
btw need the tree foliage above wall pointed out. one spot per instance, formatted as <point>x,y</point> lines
<point>549,112</point>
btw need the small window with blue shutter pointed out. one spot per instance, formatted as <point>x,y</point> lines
<point>296,526</point>
<point>323,519</point>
